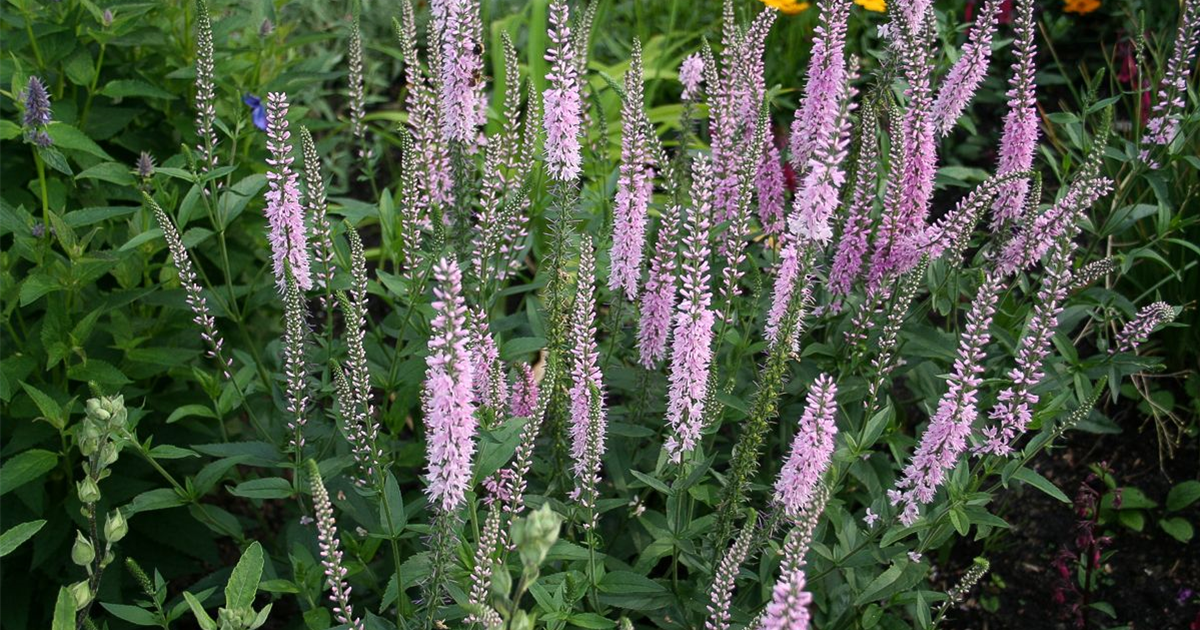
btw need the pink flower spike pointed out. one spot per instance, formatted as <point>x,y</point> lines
<point>969,71</point>
<point>658,296</point>
<point>562,102</point>
<point>463,104</point>
<point>588,422</point>
<point>812,449</point>
<point>691,75</point>
<point>285,215</point>
<point>449,411</point>
<point>635,185</point>
<point>524,393</point>
<point>1018,141</point>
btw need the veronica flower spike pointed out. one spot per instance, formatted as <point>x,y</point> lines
<point>588,423</point>
<point>562,107</point>
<point>285,215</point>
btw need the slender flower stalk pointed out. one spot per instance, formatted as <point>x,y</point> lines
<point>912,176</point>
<point>635,184</point>
<point>588,422</point>
<point>795,261</point>
<point>354,391</point>
<point>524,399</point>
<point>788,609</point>
<point>769,185</point>
<point>490,384</point>
<point>720,595</point>
<point>331,554</point>
<point>196,301</point>
<point>314,188</point>
<point>856,230</point>
<point>1092,272</point>
<point>1138,329</point>
<point>1014,405</point>
<point>285,215</point>
<point>449,407</point>
<point>358,98</point>
<point>1167,115</point>
<point>433,174</point>
<point>970,69</point>
<point>658,296</point>
<point>295,366</point>
<point>812,449</point>
<point>945,439</point>
<point>1018,141</point>
<point>562,101</point>
<point>951,234</point>
<point>206,91</point>
<point>459,33</point>
<point>820,107</point>
<point>412,215</point>
<point>692,352</point>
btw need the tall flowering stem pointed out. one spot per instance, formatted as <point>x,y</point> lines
<point>1014,405</point>
<point>490,382</point>
<point>788,608</point>
<point>354,391</point>
<point>357,88</point>
<point>1167,115</point>
<point>433,174</point>
<point>1018,141</point>
<point>945,439</point>
<point>37,114</point>
<point>913,174</point>
<point>635,184</point>
<point>819,108</point>
<point>658,296</point>
<point>206,91</point>
<point>285,215</point>
<point>459,33</point>
<point>331,553</point>
<point>769,186</point>
<point>968,72</point>
<point>692,351</point>
<point>295,366</point>
<point>196,301</point>
<point>314,188</point>
<point>720,595</point>
<point>524,393</point>
<point>1138,329</point>
<point>857,226</point>
<point>588,422</point>
<point>812,449</point>
<point>562,107</point>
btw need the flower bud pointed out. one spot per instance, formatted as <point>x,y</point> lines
<point>535,535</point>
<point>82,594</point>
<point>89,492</point>
<point>82,552</point>
<point>115,526</point>
<point>501,581</point>
<point>520,621</point>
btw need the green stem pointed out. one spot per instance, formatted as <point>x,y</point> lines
<point>41,171</point>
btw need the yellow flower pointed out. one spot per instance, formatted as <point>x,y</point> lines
<point>790,7</point>
<point>878,6</point>
<point>1082,7</point>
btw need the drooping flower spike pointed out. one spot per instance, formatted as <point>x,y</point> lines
<point>1138,329</point>
<point>1167,116</point>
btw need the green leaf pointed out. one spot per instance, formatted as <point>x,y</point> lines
<point>67,137</point>
<point>394,510</point>
<point>132,614</point>
<point>1183,495</point>
<point>64,611</point>
<point>50,409</point>
<point>1041,483</point>
<point>898,578</point>
<point>243,582</point>
<point>156,499</point>
<point>629,590</point>
<point>148,235</point>
<point>592,621</point>
<point>1133,519</point>
<point>268,488</point>
<point>108,172</point>
<point>516,348</point>
<point>206,622</point>
<point>25,467</point>
<point>18,534</point>
<point>1178,527</point>
<point>959,520</point>
<point>121,88</point>
<point>9,130</point>
<point>103,372</point>
<point>651,481</point>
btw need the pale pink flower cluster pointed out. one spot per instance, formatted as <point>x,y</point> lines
<point>658,295</point>
<point>812,448</point>
<point>562,107</point>
<point>970,69</point>
<point>1138,329</point>
<point>588,428</point>
<point>524,393</point>
<point>463,104</point>
<point>635,185</point>
<point>1018,142</point>
<point>449,408</point>
<point>691,75</point>
<point>1167,117</point>
<point>285,215</point>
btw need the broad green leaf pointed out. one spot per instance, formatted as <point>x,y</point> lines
<point>64,611</point>
<point>202,618</point>
<point>651,481</point>
<point>132,614</point>
<point>122,88</point>
<point>187,411</point>
<point>67,137</point>
<point>391,510</point>
<point>1183,495</point>
<point>243,582</point>
<point>1178,527</point>
<point>156,499</point>
<point>268,488</point>
<point>50,409</point>
<point>108,172</point>
<point>1032,478</point>
<point>25,467</point>
<point>18,534</point>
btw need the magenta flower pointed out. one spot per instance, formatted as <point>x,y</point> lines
<point>490,383</point>
<point>449,411</point>
<point>285,215</point>
<point>788,609</point>
<point>692,353</point>
<point>968,72</point>
<point>658,296</point>
<point>691,75</point>
<point>817,115</point>
<point>1018,142</point>
<point>1040,232</point>
<point>945,439</point>
<point>1138,329</point>
<point>561,101</point>
<point>856,230</point>
<point>463,105</point>
<point>1167,116</point>
<point>635,185</point>
<point>588,423</point>
<point>812,448</point>
<point>524,393</point>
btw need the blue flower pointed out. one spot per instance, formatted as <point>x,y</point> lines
<point>257,113</point>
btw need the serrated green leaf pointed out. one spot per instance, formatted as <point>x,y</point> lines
<point>243,582</point>
<point>67,137</point>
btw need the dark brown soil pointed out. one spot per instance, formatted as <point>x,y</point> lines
<point>1151,580</point>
